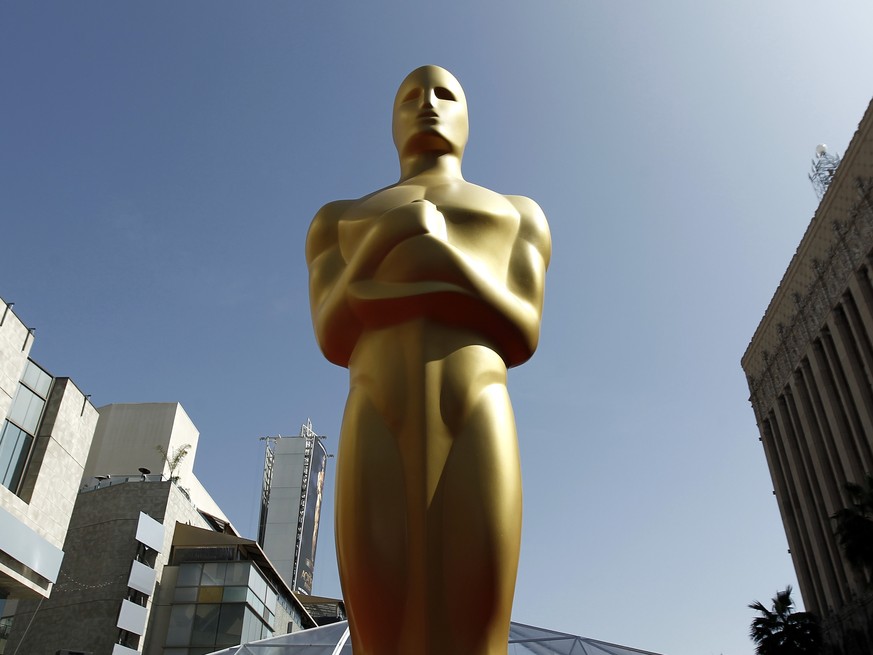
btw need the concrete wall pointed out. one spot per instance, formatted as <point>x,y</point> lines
<point>54,474</point>
<point>15,344</point>
<point>82,611</point>
<point>128,435</point>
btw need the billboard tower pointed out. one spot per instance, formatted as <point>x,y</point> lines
<point>294,470</point>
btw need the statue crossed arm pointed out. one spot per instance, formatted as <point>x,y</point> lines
<point>348,295</point>
<point>428,290</point>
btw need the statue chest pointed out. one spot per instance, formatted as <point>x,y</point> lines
<point>475,223</point>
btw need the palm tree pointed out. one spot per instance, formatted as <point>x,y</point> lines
<point>174,460</point>
<point>855,524</point>
<point>782,631</point>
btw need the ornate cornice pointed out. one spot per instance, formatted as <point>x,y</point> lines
<point>818,288</point>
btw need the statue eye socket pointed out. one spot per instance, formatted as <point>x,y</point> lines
<point>412,95</point>
<point>443,93</point>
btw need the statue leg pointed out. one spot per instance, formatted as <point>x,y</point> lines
<point>371,529</point>
<point>475,525</point>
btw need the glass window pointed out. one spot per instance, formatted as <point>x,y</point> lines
<point>251,627</point>
<point>258,585</point>
<point>26,409</point>
<point>209,594</point>
<point>185,595</point>
<point>270,600</point>
<point>179,630</point>
<point>213,573</point>
<point>189,575</point>
<point>235,594</point>
<point>37,379</point>
<point>237,573</point>
<point>14,449</point>
<point>230,625</point>
<point>256,603</point>
<point>205,625</point>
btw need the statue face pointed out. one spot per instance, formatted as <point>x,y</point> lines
<point>430,113</point>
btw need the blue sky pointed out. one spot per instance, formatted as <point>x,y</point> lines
<point>160,163</point>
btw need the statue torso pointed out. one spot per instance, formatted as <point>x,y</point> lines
<point>419,296</point>
<point>477,223</point>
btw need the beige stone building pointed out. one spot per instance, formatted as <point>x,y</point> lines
<point>810,372</point>
<point>46,427</point>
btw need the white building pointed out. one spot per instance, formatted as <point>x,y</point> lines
<point>46,426</point>
<point>153,565</point>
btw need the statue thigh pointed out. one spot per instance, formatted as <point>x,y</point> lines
<point>371,526</point>
<point>453,585</point>
<point>478,510</point>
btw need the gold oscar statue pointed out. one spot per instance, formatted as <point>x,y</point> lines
<point>428,290</point>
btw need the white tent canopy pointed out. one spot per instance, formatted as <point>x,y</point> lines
<point>523,640</point>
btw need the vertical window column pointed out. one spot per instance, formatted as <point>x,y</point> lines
<point>820,499</point>
<point>19,430</point>
<point>829,466</point>
<point>802,549</point>
<point>809,498</point>
<point>785,498</point>
<point>848,415</point>
<point>861,394</point>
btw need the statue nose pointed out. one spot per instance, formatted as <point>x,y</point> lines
<point>428,98</point>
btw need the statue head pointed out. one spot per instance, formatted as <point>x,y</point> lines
<point>430,114</point>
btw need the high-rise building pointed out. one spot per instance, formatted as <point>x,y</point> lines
<point>46,427</point>
<point>152,564</point>
<point>810,372</point>
<point>294,469</point>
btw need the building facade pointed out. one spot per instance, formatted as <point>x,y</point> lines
<point>46,428</point>
<point>219,590</point>
<point>294,470</point>
<point>809,368</point>
<point>152,564</point>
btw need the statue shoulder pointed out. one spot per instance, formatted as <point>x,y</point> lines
<point>528,208</point>
<point>333,211</point>
<point>534,227</point>
<point>322,234</point>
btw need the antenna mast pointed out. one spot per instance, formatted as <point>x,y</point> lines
<point>824,166</point>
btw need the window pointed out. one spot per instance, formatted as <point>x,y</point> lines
<point>205,625</point>
<point>20,427</point>
<point>181,620</point>
<point>213,573</point>
<point>37,379</point>
<point>230,625</point>
<point>14,449</point>
<point>219,604</point>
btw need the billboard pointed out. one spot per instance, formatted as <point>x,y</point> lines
<point>311,517</point>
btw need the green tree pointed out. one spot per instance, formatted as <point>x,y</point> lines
<point>782,631</point>
<point>173,461</point>
<point>855,524</point>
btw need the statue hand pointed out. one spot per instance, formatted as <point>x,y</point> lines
<point>417,218</point>
<point>370,239</point>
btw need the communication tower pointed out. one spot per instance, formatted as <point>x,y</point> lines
<point>824,166</point>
